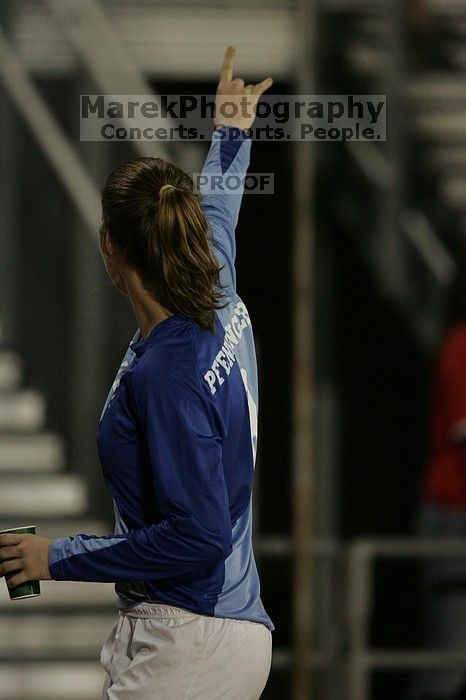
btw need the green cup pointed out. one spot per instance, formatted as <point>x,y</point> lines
<point>29,589</point>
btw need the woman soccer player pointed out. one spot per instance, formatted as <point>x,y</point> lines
<point>176,440</point>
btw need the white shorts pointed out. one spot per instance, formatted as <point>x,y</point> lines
<point>161,652</point>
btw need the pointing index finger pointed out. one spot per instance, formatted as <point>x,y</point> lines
<point>226,72</point>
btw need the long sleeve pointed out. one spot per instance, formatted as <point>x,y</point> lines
<point>229,154</point>
<point>183,452</point>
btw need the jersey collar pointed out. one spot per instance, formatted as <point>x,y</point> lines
<point>139,345</point>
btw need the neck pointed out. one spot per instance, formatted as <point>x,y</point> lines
<point>148,312</point>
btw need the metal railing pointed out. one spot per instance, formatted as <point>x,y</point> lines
<point>362,658</point>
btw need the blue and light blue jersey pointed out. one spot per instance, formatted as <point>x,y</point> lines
<point>177,442</point>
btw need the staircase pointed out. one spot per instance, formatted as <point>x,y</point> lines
<point>49,645</point>
<point>435,97</point>
<point>425,151</point>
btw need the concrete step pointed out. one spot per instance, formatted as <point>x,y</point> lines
<point>58,595</point>
<point>11,370</point>
<point>455,8</point>
<point>448,158</point>
<point>43,452</point>
<point>59,636</point>
<point>365,58</point>
<point>457,54</point>
<point>454,191</point>
<point>22,497</point>
<point>441,8</point>
<point>437,91</point>
<point>51,681</point>
<point>22,411</point>
<point>449,127</point>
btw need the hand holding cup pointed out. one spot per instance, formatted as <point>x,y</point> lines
<point>24,561</point>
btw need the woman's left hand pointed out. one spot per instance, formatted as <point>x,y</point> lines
<point>233,93</point>
<point>25,554</point>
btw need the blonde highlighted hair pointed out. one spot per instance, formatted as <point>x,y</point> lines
<point>164,236</point>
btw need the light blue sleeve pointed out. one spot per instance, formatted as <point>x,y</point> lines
<point>229,154</point>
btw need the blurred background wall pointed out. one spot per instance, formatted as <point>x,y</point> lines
<point>385,223</point>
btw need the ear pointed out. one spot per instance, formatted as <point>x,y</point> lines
<point>107,247</point>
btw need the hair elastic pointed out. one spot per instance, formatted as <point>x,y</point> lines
<point>164,187</point>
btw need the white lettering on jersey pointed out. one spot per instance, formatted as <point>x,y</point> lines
<point>225,358</point>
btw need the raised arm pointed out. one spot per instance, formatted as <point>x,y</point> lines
<point>229,155</point>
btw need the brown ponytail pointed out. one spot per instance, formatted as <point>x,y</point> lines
<point>164,236</point>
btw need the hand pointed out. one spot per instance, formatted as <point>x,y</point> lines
<point>28,555</point>
<point>237,100</point>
